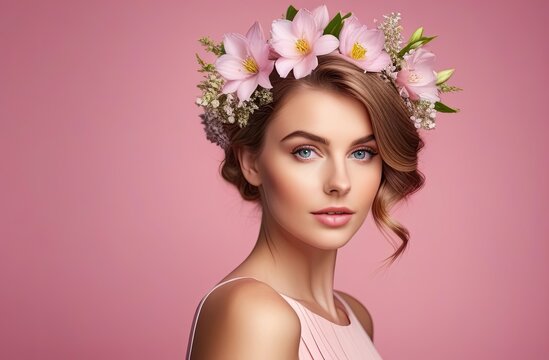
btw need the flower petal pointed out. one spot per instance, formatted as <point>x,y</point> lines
<point>263,77</point>
<point>325,44</point>
<point>320,14</point>
<point>259,53</point>
<point>426,77</point>
<point>411,93</point>
<point>402,77</point>
<point>286,48</point>
<point>230,86</point>
<point>283,39</point>
<point>282,29</point>
<point>423,57</point>
<point>351,23</point>
<point>305,66</point>
<point>428,93</point>
<point>246,88</point>
<point>304,26</point>
<point>236,45</point>
<point>285,65</point>
<point>346,38</point>
<point>266,54</point>
<point>258,47</point>
<point>378,63</point>
<point>230,67</point>
<point>255,33</point>
<point>373,40</point>
<point>416,90</point>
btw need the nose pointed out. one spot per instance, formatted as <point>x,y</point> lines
<point>337,181</point>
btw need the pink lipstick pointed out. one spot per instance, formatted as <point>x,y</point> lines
<point>334,216</point>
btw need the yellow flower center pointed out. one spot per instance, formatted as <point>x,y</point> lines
<point>302,46</point>
<point>250,65</point>
<point>413,77</point>
<point>358,52</point>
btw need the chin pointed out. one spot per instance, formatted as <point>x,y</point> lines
<point>330,239</point>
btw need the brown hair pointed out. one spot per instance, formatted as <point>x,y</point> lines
<point>397,138</point>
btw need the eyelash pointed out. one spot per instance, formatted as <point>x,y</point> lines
<point>369,150</point>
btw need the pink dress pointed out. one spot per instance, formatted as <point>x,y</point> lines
<point>320,338</point>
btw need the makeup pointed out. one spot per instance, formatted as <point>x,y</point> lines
<point>333,220</point>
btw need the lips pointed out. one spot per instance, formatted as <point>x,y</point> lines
<point>333,216</point>
<point>334,211</point>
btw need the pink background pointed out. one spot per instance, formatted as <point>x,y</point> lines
<point>114,221</point>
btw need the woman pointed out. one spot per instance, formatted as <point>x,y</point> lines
<point>334,142</point>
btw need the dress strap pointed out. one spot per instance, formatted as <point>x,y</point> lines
<point>349,311</point>
<point>195,319</point>
<point>352,316</point>
<point>342,300</point>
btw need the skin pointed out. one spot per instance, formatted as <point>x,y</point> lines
<point>295,254</point>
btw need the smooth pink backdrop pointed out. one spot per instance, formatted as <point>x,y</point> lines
<point>114,221</point>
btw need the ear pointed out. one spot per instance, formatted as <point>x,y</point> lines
<point>248,165</point>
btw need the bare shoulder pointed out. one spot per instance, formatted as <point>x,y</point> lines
<point>361,313</point>
<point>246,319</point>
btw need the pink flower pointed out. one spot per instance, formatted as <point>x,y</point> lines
<point>417,79</point>
<point>245,63</point>
<point>362,46</point>
<point>300,41</point>
<point>320,13</point>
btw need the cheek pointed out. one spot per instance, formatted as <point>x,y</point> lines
<point>285,187</point>
<point>367,184</point>
<point>374,180</point>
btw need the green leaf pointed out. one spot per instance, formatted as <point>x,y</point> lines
<point>337,30</point>
<point>422,41</point>
<point>291,13</point>
<point>404,50</point>
<point>414,45</point>
<point>444,108</point>
<point>333,24</point>
<point>346,16</point>
<point>416,35</point>
<point>444,75</point>
<point>339,26</point>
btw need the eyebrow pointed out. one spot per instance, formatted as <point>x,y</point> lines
<point>305,134</point>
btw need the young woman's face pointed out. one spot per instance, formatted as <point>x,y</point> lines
<point>319,152</point>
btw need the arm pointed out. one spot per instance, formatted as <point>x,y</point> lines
<point>246,320</point>
<point>361,313</point>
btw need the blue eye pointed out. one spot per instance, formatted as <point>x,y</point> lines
<point>362,154</point>
<point>304,153</point>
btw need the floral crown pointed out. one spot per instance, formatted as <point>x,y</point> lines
<point>238,83</point>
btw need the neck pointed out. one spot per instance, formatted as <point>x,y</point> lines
<point>293,267</point>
